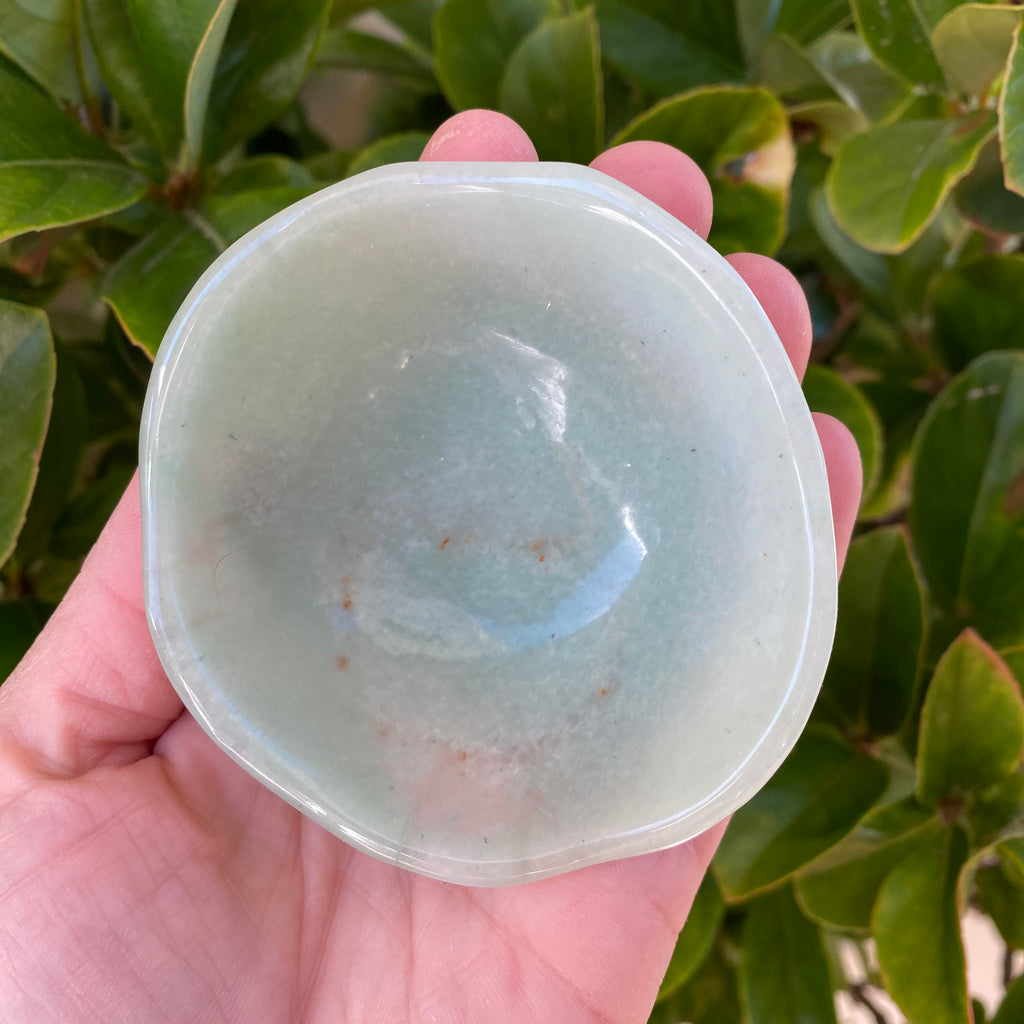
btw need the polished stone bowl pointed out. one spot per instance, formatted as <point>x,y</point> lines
<point>485,521</point>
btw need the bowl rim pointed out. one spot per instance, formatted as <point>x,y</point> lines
<point>227,727</point>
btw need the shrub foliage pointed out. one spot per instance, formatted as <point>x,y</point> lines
<point>875,146</point>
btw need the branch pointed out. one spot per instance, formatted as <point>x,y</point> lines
<point>859,992</point>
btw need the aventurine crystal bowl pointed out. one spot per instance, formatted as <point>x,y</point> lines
<point>485,522</point>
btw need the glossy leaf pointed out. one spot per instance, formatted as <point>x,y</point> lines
<point>998,812</point>
<point>695,940</point>
<point>827,392</point>
<point>972,723</point>
<point>52,172</point>
<point>976,308</point>
<point>983,198</point>
<point>803,21</point>
<point>552,87</point>
<point>966,512</point>
<point>870,270</point>
<point>473,42</point>
<point>849,67</point>
<point>972,43</point>
<point>815,799</point>
<point>1011,1010</point>
<point>407,146</point>
<point>261,172</point>
<point>887,183</point>
<point>348,49</point>
<point>835,121</point>
<point>87,513</point>
<point>27,373</point>
<point>1011,117</point>
<point>662,56</point>
<point>45,38</point>
<point>59,462</point>
<point>710,997</point>
<point>869,686</point>
<point>898,33</point>
<point>839,888</point>
<point>916,925</point>
<point>784,970</point>
<point>266,55</point>
<point>1002,898</point>
<point>158,59</point>
<point>148,284</point>
<point>740,137</point>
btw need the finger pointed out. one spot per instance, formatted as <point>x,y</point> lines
<point>91,690</point>
<point>783,301</point>
<point>664,175</point>
<point>477,135</point>
<point>842,462</point>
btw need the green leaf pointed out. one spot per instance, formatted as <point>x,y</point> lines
<point>976,308</point>
<point>848,66</point>
<point>1000,897</point>
<point>1011,117</point>
<point>898,33</point>
<point>87,513</point>
<point>406,146</point>
<point>52,172</point>
<point>148,284</point>
<point>552,87</point>
<point>788,70</point>
<point>839,888</point>
<point>695,940</point>
<point>263,172</point>
<point>1011,1011</point>
<point>902,406</point>
<point>835,121</point>
<point>58,465</point>
<point>784,970</point>
<point>267,53</point>
<point>45,39</point>
<point>661,55</point>
<point>27,372</point>
<point>966,512</point>
<point>18,629</point>
<point>870,683</point>
<point>1012,854</point>
<point>887,183</point>
<point>983,198</point>
<point>473,42</point>
<point>158,58</point>
<point>816,798</point>
<point>802,20</point>
<point>972,723</point>
<point>827,392</point>
<point>868,269</point>
<point>806,20</point>
<point>972,43</point>
<point>710,997</point>
<point>997,812</point>
<point>740,137</point>
<point>916,925</point>
<point>348,49</point>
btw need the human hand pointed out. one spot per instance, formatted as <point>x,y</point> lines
<point>145,877</point>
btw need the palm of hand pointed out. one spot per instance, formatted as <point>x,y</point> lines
<point>145,877</point>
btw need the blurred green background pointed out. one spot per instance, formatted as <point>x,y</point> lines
<point>876,147</point>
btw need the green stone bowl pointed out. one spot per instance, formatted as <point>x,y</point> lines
<point>485,522</point>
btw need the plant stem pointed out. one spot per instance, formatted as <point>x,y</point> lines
<point>860,995</point>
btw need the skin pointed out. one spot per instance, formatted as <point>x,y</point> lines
<point>146,878</point>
